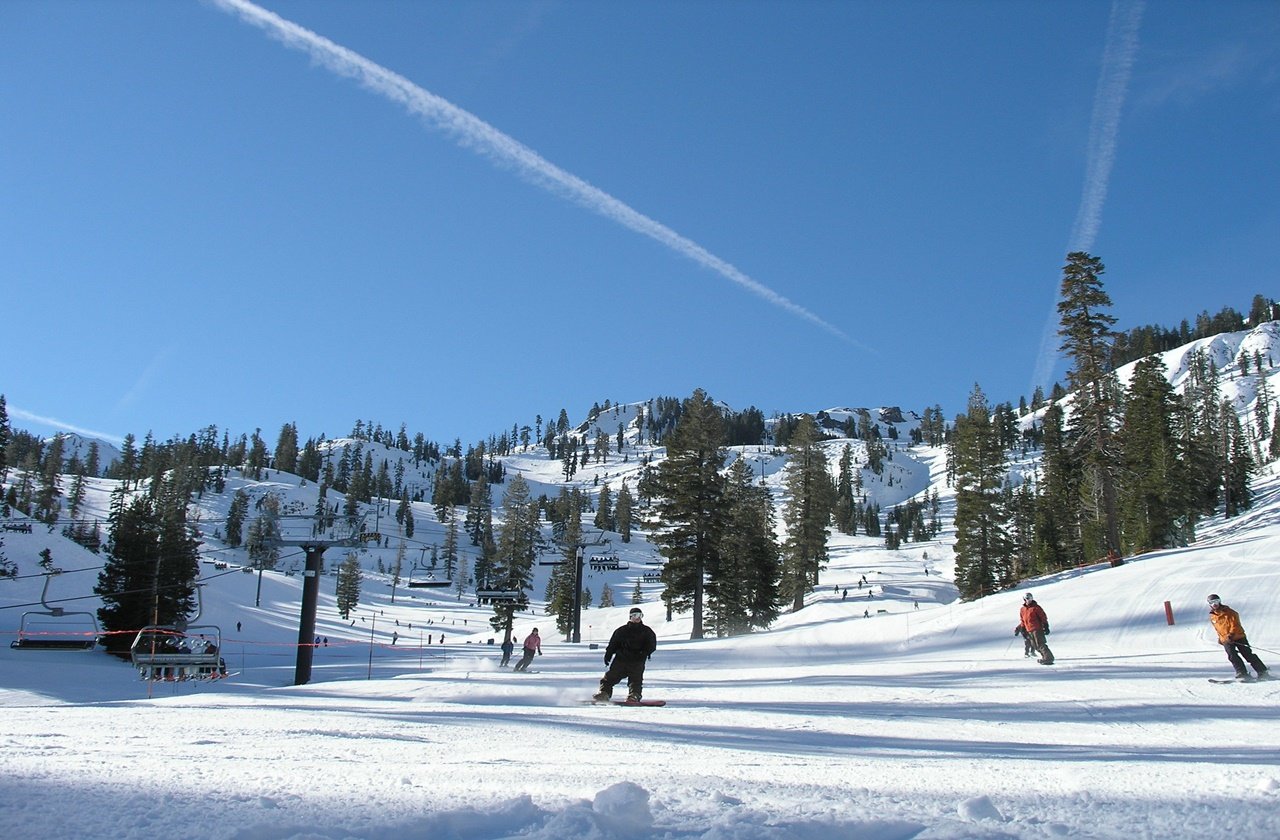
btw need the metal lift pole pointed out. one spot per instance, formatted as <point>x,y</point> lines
<point>307,622</point>
<point>577,595</point>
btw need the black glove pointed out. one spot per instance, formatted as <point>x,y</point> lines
<point>607,659</point>
<point>1017,631</point>
<point>1046,629</point>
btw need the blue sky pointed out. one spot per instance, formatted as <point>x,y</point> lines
<point>204,225</point>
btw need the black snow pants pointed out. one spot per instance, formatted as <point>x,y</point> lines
<point>630,668</point>
<point>1238,652</point>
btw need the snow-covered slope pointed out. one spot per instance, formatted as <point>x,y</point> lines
<point>884,709</point>
<point>914,723</point>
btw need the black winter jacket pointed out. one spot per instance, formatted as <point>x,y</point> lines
<point>632,641</point>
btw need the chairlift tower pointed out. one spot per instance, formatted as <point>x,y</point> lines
<point>580,558</point>
<point>314,534</point>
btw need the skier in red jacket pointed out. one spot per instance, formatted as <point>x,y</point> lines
<point>1033,620</point>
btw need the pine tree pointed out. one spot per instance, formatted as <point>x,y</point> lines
<point>743,591</point>
<point>49,490</point>
<point>1021,504</point>
<point>236,513</point>
<point>842,513</point>
<point>449,551</point>
<point>1087,335</point>
<point>405,514</point>
<point>562,582</point>
<point>1201,434</point>
<point>350,577</point>
<point>811,496</point>
<point>127,465</point>
<point>604,519</point>
<point>726,599</point>
<point>1273,449</point>
<point>5,436</point>
<point>286,458</point>
<point>25,485</point>
<point>75,495</point>
<point>263,539</point>
<point>479,520</point>
<point>623,512</point>
<point>382,484</point>
<point>1237,461</point>
<point>517,548</point>
<point>256,458</point>
<point>1150,460</point>
<point>983,548</point>
<point>148,577</point>
<point>1262,405</point>
<point>687,517</point>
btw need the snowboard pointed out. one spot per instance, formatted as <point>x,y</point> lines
<point>1233,680</point>
<point>625,703</point>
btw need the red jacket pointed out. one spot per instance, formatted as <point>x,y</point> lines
<point>1033,617</point>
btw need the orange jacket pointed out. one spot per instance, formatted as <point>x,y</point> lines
<point>1033,617</point>
<point>1227,622</point>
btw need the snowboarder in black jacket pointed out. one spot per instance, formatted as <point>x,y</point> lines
<point>629,648</point>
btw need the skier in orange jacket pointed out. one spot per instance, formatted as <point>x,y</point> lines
<point>1226,622</point>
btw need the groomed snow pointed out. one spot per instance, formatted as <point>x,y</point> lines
<point>915,723</point>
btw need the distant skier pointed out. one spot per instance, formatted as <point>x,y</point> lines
<point>1036,623</point>
<point>532,647</point>
<point>629,648</point>
<point>1231,636</point>
<point>1028,649</point>
<point>508,645</point>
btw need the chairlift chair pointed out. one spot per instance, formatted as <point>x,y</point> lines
<point>37,634</point>
<point>176,652</point>
<point>429,582</point>
<point>498,596</point>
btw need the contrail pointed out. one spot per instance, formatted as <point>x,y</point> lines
<point>1108,101</point>
<point>58,424</point>
<point>474,134</point>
